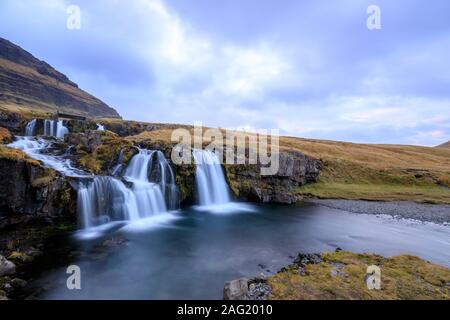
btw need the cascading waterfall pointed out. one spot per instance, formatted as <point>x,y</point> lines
<point>210,180</point>
<point>30,129</point>
<point>55,128</point>
<point>107,198</point>
<point>37,148</point>
<point>166,180</point>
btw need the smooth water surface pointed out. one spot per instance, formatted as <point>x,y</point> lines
<point>192,253</point>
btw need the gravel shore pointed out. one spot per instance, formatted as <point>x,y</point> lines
<point>404,209</point>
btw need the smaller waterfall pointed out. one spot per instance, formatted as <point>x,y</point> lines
<point>100,127</point>
<point>151,167</point>
<point>106,199</point>
<point>30,129</point>
<point>210,180</point>
<point>55,128</point>
<point>143,194</point>
<point>38,148</point>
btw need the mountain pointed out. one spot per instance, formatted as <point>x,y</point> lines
<point>444,145</point>
<point>28,84</point>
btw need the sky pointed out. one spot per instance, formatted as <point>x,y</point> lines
<point>307,68</point>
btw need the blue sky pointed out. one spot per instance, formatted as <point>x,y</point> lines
<point>308,68</point>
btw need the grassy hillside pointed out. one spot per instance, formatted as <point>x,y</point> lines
<point>377,172</point>
<point>361,171</point>
<point>444,145</point>
<point>30,85</point>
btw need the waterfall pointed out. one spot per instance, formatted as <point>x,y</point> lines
<point>151,167</point>
<point>109,199</point>
<point>100,127</point>
<point>210,180</point>
<point>30,129</point>
<point>146,189</point>
<point>105,199</point>
<point>55,128</point>
<point>37,148</point>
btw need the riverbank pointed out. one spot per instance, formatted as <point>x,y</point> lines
<point>344,275</point>
<point>399,209</point>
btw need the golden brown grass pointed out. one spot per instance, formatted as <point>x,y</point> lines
<point>444,145</point>
<point>377,172</point>
<point>341,275</point>
<point>15,155</point>
<point>5,136</point>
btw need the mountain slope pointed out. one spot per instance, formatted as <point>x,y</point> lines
<point>28,84</point>
<point>444,145</point>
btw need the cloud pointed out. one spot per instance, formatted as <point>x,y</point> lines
<point>308,68</point>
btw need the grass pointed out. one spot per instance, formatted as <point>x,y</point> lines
<point>341,275</point>
<point>362,171</point>
<point>381,192</point>
<point>16,155</point>
<point>376,172</point>
<point>5,136</point>
<point>444,145</point>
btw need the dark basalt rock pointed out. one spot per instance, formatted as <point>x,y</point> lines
<point>295,169</point>
<point>29,191</point>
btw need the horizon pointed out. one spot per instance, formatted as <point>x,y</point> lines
<point>172,62</point>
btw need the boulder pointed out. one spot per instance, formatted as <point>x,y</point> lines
<point>236,289</point>
<point>6,267</point>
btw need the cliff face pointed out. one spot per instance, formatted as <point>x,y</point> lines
<point>31,191</point>
<point>28,84</point>
<point>295,169</point>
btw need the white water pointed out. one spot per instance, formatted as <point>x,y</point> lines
<point>36,148</point>
<point>108,199</point>
<point>55,128</point>
<point>30,129</point>
<point>210,180</point>
<point>100,127</point>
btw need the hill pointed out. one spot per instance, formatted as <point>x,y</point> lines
<point>29,85</point>
<point>359,171</point>
<point>444,145</point>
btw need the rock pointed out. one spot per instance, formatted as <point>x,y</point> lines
<point>6,267</point>
<point>259,289</point>
<point>236,289</point>
<point>295,169</point>
<point>29,190</point>
<point>18,283</point>
<point>310,258</point>
<point>247,289</point>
